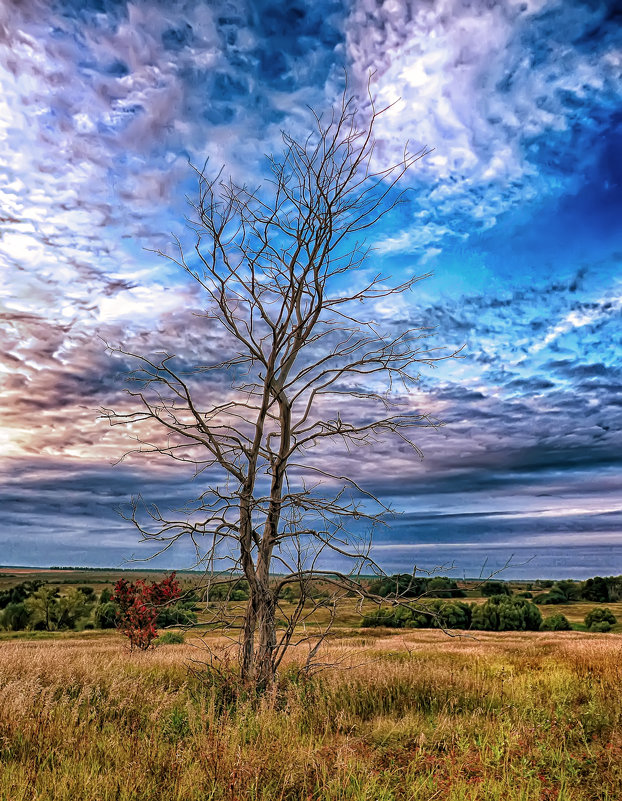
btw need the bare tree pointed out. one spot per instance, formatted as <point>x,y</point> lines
<point>310,373</point>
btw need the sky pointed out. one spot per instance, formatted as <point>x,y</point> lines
<point>104,104</point>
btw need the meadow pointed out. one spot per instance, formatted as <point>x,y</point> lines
<point>410,715</point>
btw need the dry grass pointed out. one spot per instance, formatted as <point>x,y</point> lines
<point>529,717</point>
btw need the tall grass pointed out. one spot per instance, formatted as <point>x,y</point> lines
<point>535,717</point>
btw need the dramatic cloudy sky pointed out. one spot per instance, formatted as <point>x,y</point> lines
<point>516,213</point>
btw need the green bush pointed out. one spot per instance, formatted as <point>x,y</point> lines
<point>600,619</point>
<point>432,615</point>
<point>175,615</point>
<point>19,593</point>
<point>506,613</point>
<point>601,627</point>
<point>15,617</point>
<point>490,588</point>
<point>556,622</point>
<point>443,587</point>
<point>106,615</point>
<point>380,617</point>
<point>71,608</point>
<point>106,595</point>
<point>235,590</point>
<point>170,638</point>
<point>404,585</point>
<point>450,615</point>
<point>552,597</point>
<point>562,592</point>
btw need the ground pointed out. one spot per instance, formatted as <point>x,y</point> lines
<point>405,716</point>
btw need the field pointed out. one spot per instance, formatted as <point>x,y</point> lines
<point>417,715</point>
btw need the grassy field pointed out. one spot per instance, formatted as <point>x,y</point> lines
<point>416,715</point>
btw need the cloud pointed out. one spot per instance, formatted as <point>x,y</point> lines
<point>580,316</point>
<point>511,95</point>
<point>102,104</point>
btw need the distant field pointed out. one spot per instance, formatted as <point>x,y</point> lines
<point>9,577</point>
<point>415,716</point>
<point>13,575</point>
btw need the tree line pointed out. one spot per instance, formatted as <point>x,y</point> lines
<point>37,606</point>
<point>596,589</point>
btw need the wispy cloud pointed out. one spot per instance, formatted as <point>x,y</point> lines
<point>506,93</point>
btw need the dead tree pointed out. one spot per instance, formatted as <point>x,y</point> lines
<point>310,373</point>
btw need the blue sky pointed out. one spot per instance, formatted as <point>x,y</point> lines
<point>515,212</point>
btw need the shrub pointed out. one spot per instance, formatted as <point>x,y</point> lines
<point>15,617</point>
<point>138,604</point>
<point>562,592</point>
<point>433,615</point>
<point>70,608</point>
<point>556,622</point>
<point>600,619</point>
<point>380,617</point>
<point>451,615</point>
<point>490,588</point>
<point>400,584</point>
<point>106,595</point>
<point>170,638</point>
<point>43,608</point>
<point>106,615</point>
<point>443,587</point>
<point>553,597</point>
<point>234,590</point>
<point>601,627</point>
<point>571,589</point>
<point>176,615</point>
<point>19,593</point>
<point>506,613</point>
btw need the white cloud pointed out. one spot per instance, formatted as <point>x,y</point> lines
<point>479,83</point>
<point>579,318</point>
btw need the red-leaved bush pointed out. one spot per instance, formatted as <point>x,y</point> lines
<point>139,604</point>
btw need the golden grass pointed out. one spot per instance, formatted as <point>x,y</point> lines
<point>417,715</point>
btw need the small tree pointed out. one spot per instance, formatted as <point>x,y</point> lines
<point>312,370</point>
<point>42,606</point>
<point>72,606</point>
<point>138,606</point>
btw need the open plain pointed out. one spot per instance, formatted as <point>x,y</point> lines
<point>405,716</point>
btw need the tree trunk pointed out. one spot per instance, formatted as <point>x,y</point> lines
<point>260,626</point>
<point>266,626</point>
